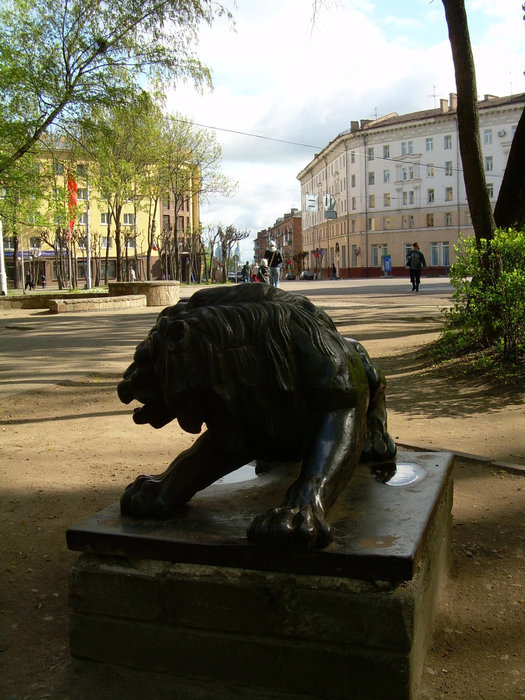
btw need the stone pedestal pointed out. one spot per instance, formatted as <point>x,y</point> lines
<point>189,597</point>
<point>157,292</point>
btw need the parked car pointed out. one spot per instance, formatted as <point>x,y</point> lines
<point>232,277</point>
<point>306,275</point>
<point>290,276</point>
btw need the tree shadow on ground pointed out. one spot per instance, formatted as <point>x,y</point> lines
<point>417,387</point>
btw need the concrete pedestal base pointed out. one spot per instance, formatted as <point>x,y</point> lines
<point>336,631</point>
<point>157,292</point>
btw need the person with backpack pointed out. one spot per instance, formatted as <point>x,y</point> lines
<point>275,259</point>
<point>416,262</point>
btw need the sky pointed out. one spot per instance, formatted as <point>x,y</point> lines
<point>285,86</point>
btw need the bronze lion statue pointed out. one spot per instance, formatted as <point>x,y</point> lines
<point>272,379</point>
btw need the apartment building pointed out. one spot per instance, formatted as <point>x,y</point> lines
<point>385,183</point>
<point>77,207</point>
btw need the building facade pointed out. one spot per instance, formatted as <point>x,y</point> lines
<point>53,241</point>
<point>383,184</point>
<point>287,234</point>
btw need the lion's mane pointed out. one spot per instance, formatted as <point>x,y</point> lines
<point>250,345</point>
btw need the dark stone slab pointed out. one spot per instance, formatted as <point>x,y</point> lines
<point>379,523</point>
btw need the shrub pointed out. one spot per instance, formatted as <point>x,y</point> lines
<point>489,294</point>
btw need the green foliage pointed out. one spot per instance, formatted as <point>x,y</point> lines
<point>58,59</point>
<point>489,292</point>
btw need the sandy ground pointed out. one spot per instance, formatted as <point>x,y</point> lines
<point>68,449</point>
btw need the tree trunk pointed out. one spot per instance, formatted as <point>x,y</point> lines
<point>510,207</point>
<point>468,121</point>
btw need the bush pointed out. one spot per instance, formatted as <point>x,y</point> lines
<point>489,293</point>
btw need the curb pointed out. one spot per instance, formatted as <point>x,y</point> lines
<point>509,467</point>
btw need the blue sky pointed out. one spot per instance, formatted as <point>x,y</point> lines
<point>281,77</point>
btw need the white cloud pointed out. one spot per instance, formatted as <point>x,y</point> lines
<point>280,77</point>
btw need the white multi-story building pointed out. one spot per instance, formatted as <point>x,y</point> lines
<point>384,184</point>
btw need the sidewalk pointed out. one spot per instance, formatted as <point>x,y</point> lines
<point>426,410</point>
<point>69,448</point>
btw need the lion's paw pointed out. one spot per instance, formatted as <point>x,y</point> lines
<point>293,528</point>
<point>379,447</point>
<point>144,498</point>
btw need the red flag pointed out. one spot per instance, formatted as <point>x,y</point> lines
<point>153,246</point>
<point>72,202</point>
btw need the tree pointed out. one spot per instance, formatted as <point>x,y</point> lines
<point>190,159</point>
<point>468,122</point>
<point>59,57</point>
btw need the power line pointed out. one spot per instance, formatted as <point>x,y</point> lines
<point>245,133</point>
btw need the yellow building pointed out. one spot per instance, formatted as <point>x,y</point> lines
<point>74,221</point>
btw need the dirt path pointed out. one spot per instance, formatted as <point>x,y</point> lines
<point>69,449</point>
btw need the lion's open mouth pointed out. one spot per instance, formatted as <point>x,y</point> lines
<point>154,411</point>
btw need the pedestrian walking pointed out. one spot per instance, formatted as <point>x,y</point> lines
<point>29,282</point>
<point>43,280</point>
<point>275,259</point>
<point>264,272</point>
<point>416,262</point>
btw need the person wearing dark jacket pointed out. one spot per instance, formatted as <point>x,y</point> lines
<point>416,262</point>
<point>275,260</point>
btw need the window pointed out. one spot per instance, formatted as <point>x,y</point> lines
<point>411,221</point>
<point>487,137</point>
<point>82,169</point>
<point>445,253</point>
<point>405,197</point>
<point>82,193</point>
<point>83,219</point>
<point>166,222</point>
<point>353,226</point>
<point>489,163</point>
<point>353,203</point>
<point>447,142</point>
<point>449,194</point>
<point>386,222</point>
<point>131,242</point>
<point>411,197</point>
<point>371,178</point>
<point>448,167</point>
<point>371,224</point>
<point>430,196</point>
<point>411,147</point>
<point>35,242</point>
<point>129,219</point>
<point>58,168</point>
<point>448,218</point>
<point>430,170</point>
<point>429,144</point>
<point>352,156</point>
<point>434,254</point>
<point>403,148</point>
<point>370,154</point>
<point>386,175</point>
<point>105,242</point>
<point>430,220</point>
<point>378,250</point>
<point>104,219</point>
<point>407,173</point>
<point>166,202</point>
<point>404,222</point>
<point>386,151</point>
<point>353,180</point>
<point>386,199</point>
<point>490,189</point>
<point>371,200</point>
